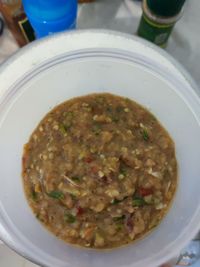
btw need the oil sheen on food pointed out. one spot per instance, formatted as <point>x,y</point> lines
<point>99,171</point>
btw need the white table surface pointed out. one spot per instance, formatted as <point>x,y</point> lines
<point>122,15</point>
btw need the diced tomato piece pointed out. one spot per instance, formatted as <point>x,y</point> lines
<point>145,191</point>
<point>94,169</point>
<point>80,211</point>
<point>89,159</point>
<point>24,160</point>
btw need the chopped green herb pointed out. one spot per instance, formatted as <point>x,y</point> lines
<point>120,218</point>
<point>39,218</point>
<point>109,109</point>
<point>69,218</point>
<point>138,202</point>
<point>123,171</point>
<point>119,227</point>
<point>70,114</point>
<point>116,201</point>
<point>119,109</point>
<point>34,195</point>
<point>127,100</point>
<point>62,129</point>
<point>100,99</point>
<point>73,196</point>
<point>56,194</point>
<point>145,134</point>
<point>76,178</point>
<point>67,125</point>
<point>115,119</point>
<point>96,129</point>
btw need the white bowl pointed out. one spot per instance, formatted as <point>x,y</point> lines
<point>48,72</point>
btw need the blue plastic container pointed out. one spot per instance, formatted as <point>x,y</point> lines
<point>50,16</point>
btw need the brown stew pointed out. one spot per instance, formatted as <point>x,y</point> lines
<point>99,171</point>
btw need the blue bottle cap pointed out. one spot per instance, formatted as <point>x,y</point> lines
<point>50,16</point>
<point>49,9</point>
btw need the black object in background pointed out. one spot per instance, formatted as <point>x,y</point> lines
<point>1,26</point>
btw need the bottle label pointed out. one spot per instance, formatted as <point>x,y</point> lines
<point>26,29</point>
<point>154,32</point>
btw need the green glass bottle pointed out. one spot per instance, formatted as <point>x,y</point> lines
<point>158,19</point>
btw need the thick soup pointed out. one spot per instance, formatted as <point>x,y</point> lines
<point>99,171</point>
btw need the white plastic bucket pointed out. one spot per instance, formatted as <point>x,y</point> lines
<point>48,72</point>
